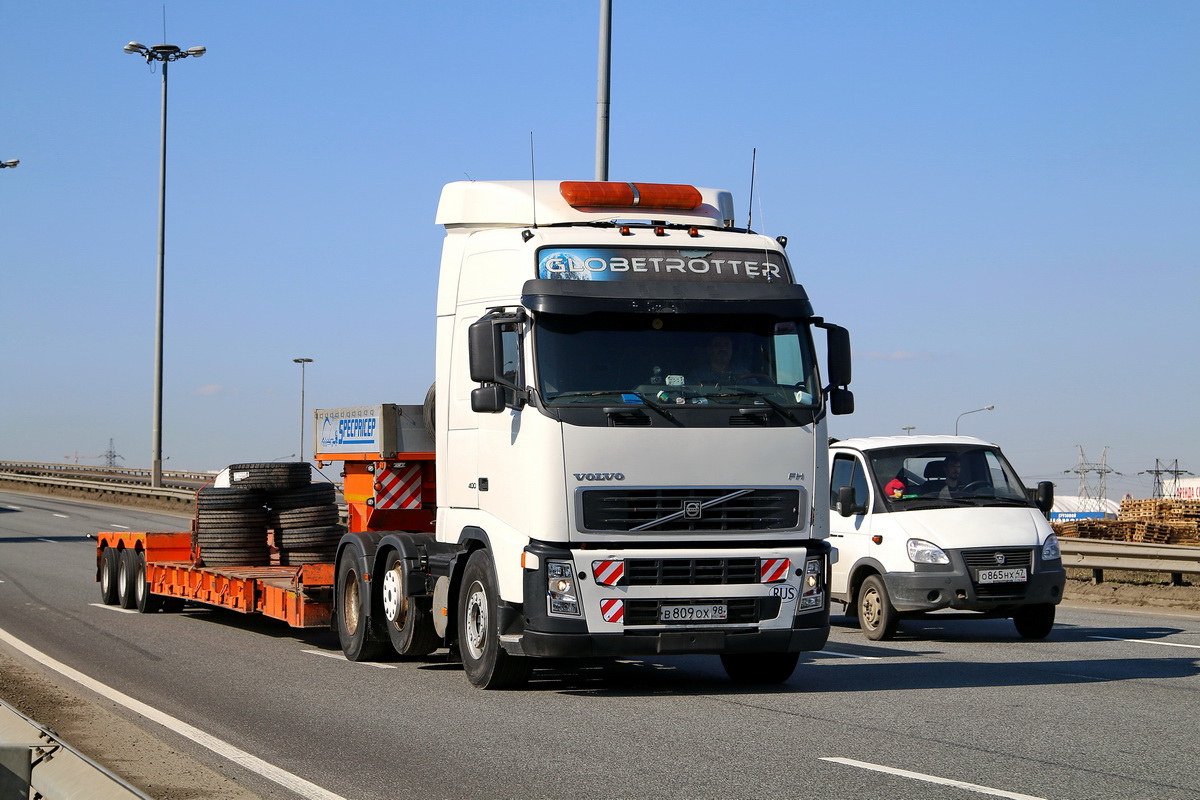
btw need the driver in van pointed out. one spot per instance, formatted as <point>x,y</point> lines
<point>953,486</point>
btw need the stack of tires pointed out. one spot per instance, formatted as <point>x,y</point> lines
<point>305,520</point>
<point>232,524</point>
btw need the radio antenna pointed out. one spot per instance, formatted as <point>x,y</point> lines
<point>533,178</point>
<point>753,165</point>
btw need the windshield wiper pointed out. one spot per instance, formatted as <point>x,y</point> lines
<point>782,409</point>
<point>646,401</point>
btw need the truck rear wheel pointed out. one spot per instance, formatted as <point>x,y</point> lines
<point>126,575</point>
<point>146,602</point>
<point>359,643</point>
<point>1034,622</point>
<point>109,563</point>
<point>759,667</point>
<point>409,626</point>
<point>486,664</point>
<point>876,616</point>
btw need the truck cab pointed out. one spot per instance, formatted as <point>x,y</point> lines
<point>939,523</point>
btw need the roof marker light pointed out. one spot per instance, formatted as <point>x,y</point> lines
<point>615,194</point>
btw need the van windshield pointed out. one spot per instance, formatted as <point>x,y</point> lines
<point>675,359</point>
<point>948,475</point>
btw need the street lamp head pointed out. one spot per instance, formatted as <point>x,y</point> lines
<point>163,52</point>
<point>136,47</point>
<point>197,51</point>
<point>10,163</point>
<point>302,360</point>
<point>989,408</point>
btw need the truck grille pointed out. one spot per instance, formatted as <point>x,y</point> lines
<point>986,559</point>
<point>693,510</point>
<point>690,571</point>
<point>742,610</point>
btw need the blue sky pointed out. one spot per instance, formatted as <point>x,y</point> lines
<point>998,199</point>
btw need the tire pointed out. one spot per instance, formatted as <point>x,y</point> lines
<point>230,498</point>
<point>310,538</point>
<point>305,517</point>
<point>428,409</point>
<point>357,633</point>
<point>244,516</point>
<point>146,602</point>
<point>1035,621</point>
<point>270,475</point>
<point>485,662</point>
<point>876,615</point>
<point>109,560</point>
<point>316,494</point>
<point>759,668</point>
<point>298,558</point>
<point>235,556</point>
<point>409,624</point>
<point>126,573</point>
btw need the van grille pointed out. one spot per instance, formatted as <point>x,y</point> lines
<point>700,510</point>
<point>986,559</point>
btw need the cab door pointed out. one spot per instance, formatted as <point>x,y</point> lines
<point>850,535</point>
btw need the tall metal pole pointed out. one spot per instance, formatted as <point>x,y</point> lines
<point>302,362</point>
<point>602,90</point>
<point>156,419</point>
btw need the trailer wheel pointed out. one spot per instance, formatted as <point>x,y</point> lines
<point>761,668</point>
<point>486,664</point>
<point>109,559</point>
<point>146,602</point>
<point>1034,622</point>
<point>358,642</point>
<point>876,615</point>
<point>126,572</point>
<point>409,626</point>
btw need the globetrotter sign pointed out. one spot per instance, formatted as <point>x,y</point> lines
<point>661,264</point>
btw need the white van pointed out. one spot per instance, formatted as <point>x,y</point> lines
<point>925,523</point>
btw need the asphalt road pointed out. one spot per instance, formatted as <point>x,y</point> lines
<point>1104,708</point>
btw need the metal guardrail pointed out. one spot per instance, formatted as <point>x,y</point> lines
<point>132,472</point>
<point>34,762</point>
<point>1098,555</point>
<point>161,498</point>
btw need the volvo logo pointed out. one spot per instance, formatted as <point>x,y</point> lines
<point>599,476</point>
<point>693,509</point>
<point>999,558</point>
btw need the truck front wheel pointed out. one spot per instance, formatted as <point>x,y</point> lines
<point>1034,622</point>
<point>876,616</point>
<point>409,626</point>
<point>358,642</point>
<point>484,660</point>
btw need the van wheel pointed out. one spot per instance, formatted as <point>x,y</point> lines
<point>109,563</point>
<point>484,660</point>
<point>409,626</point>
<point>359,643</point>
<point>1034,622</point>
<point>876,616</point>
<point>760,668</point>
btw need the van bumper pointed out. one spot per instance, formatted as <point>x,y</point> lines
<point>954,588</point>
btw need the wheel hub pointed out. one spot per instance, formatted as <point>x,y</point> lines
<point>394,605</point>
<point>476,620</point>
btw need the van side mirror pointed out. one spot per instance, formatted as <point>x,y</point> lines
<point>1044,497</point>
<point>846,505</point>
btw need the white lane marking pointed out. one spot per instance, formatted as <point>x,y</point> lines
<point>118,609</point>
<point>919,776</point>
<point>115,525</point>
<point>1146,641</point>
<point>51,541</point>
<point>267,770</point>
<point>341,657</point>
<point>846,655</point>
<point>12,508</point>
<point>62,516</point>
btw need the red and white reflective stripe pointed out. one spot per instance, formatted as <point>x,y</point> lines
<point>400,487</point>
<point>774,569</point>
<point>608,573</point>
<point>613,610</point>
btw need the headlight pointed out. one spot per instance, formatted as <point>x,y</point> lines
<point>812,590</point>
<point>560,588</point>
<point>1050,551</point>
<point>923,552</point>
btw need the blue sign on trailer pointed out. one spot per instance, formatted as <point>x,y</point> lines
<point>1072,516</point>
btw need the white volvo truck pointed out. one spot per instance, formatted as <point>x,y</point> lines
<point>628,438</point>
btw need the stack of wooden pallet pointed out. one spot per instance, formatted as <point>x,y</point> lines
<point>1155,521</point>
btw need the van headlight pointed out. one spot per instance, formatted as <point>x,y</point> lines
<point>1050,551</point>
<point>560,588</point>
<point>923,552</point>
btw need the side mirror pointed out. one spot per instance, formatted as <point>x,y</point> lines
<point>1044,497</point>
<point>846,505</point>
<point>841,401</point>
<point>838,355</point>
<point>482,346</point>
<point>488,399</point>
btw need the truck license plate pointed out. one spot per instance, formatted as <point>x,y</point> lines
<point>1014,575</point>
<point>695,613</point>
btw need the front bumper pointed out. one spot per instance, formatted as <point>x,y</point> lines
<point>935,587</point>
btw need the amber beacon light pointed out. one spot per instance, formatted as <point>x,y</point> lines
<point>615,194</point>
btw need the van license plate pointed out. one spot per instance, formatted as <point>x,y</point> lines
<point>695,613</point>
<point>1015,575</point>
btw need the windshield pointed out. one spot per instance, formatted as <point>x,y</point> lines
<point>678,359</point>
<point>959,475</point>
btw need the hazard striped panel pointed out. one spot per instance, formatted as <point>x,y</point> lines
<point>613,610</point>
<point>608,573</point>
<point>774,569</point>
<point>399,487</point>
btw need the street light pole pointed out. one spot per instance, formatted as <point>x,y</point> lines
<point>302,362</point>
<point>960,416</point>
<point>909,428</point>
<point>165,53</point>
